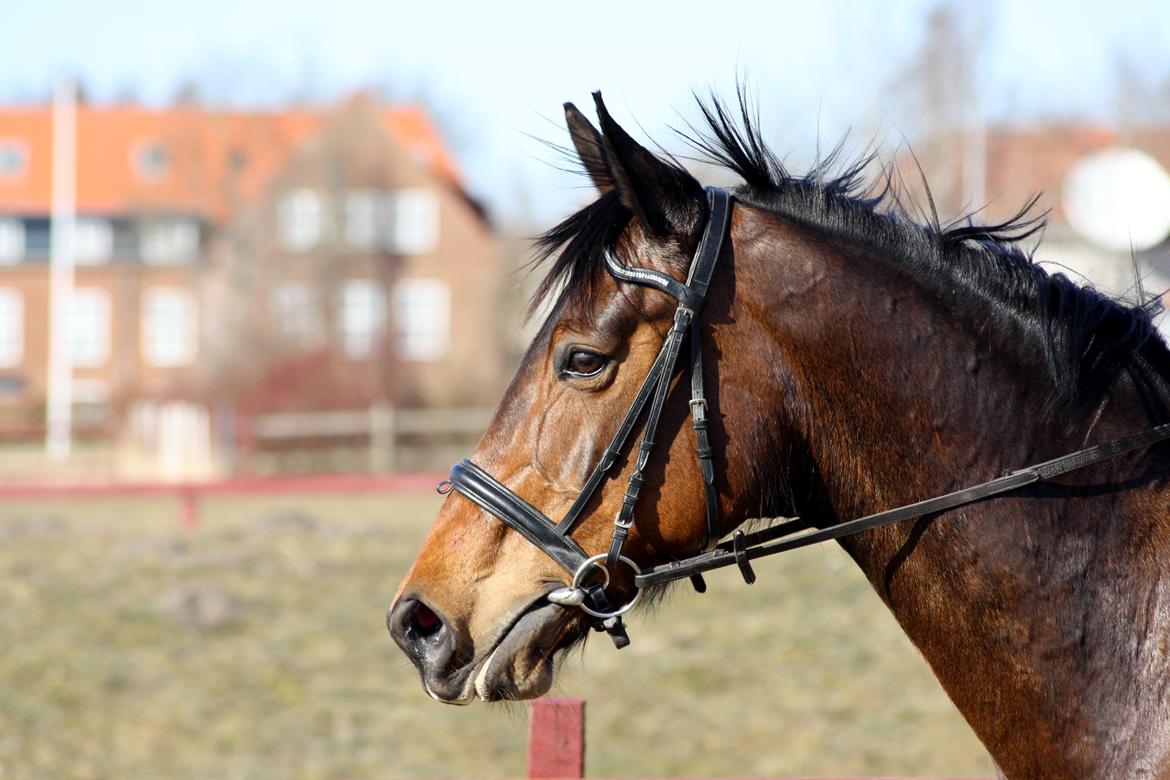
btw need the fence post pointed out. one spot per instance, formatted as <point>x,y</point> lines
<point>188,508</point>
<point>556,738</point>
<point>381,455</point>
<point>245,431</point>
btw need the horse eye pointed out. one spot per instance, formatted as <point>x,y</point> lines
<point>583,363</point>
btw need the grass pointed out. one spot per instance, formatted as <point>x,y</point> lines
<point>285,670</point>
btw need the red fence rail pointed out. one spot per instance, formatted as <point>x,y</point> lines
<point>189,494</point>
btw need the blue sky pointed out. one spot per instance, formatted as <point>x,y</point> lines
<point>499,71</point>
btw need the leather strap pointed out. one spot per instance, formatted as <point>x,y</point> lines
<point>616,445</point>
<point>482,488</point>
<point>769,541</point>
<point>625,517</point>
<point>703,450</point>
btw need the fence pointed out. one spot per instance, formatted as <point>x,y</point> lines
<point>178,441</point>
<point>392,438</point>
<point>556,743</point>
<point>189,495</point>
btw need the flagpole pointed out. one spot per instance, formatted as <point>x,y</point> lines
<point>59,408</point>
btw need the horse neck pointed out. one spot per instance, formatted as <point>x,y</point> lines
<point>897,395</point>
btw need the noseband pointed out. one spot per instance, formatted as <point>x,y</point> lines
<point>554,539</point>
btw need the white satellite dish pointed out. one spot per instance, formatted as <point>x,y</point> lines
<point>1119,199</point>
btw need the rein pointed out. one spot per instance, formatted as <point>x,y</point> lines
<point>555,539</point>
<point>744,548</point>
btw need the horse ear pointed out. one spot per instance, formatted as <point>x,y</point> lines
<point>590,148</point>
<point>664,196</point>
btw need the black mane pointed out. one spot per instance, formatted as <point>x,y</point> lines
<point>1089,338</point>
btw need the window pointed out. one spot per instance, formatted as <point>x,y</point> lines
<point>416,222</point>
<point>11,241</point>
<point>12,388</point>
<point>169,241</point>
<point>364,218</point>
<point>301,220</point>
<point>11,328</point>
<point>170,330</point>
<point>93,241</point>
<point>422,318</point>
<point>89,327</point>
<point>150,160</point>
<point>13,158</point>
<point>362,312</point>
<point>36,238</point>
<point>297,315</point>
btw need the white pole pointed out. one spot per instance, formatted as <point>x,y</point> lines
<point>59,409</point>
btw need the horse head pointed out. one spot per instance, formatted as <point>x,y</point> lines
<point>473,613</point>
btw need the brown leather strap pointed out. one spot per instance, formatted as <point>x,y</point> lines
<point>780,539</point>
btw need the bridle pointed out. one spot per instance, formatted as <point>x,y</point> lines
<point>555,539</point>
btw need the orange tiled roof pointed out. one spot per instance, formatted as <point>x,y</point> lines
<point>215,158</point>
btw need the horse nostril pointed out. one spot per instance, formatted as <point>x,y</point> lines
<point>418,629</point>
<point>424,622</point>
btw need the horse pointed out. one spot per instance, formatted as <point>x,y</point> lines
<point>850,354</point>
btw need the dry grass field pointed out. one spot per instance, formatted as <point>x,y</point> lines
<point>255,647</point>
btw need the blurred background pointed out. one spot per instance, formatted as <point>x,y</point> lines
<point>262,276</point>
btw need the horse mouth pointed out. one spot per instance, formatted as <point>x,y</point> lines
<point>519,664</point>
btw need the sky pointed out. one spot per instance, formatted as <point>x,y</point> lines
<point>496,73</point>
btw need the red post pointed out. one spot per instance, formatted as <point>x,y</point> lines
<point>188,509</point>
<point>556,738</point>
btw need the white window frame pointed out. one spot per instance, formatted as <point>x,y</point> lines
<point>414,229</point>
<point>89,327</point>
<point>15,149</point>
<point>302,219</point>
<point>180,345</point>
<point>422,319</point>
<point>169,241</point>
<point>11,327</point>
<point>361,317</point>
<point>13,246</point>
<point>296,311</point>
<point>93,241</point>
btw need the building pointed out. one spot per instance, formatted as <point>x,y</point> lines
<point>216,252</point>
<point>999,169</point>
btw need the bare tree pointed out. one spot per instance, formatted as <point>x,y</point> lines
<point>937,93</point>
